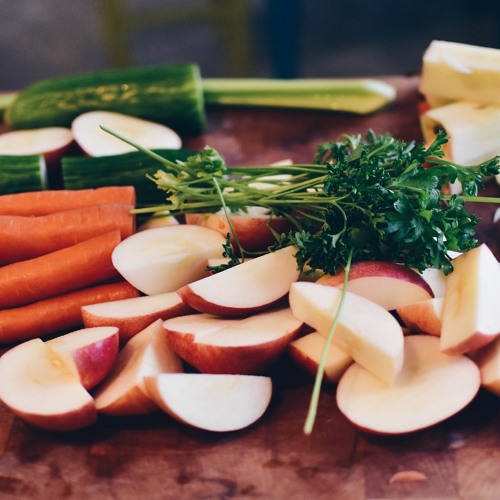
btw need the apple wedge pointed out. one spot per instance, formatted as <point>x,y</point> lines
<point>306,351</point>
<point>365,330</point>
<point>488,361</point>
<point>471,309</point>
<point>164,259</point>
<point>147,353</point>
<point>88,353</point>
<point>255,230</point>
<point>51,142</point>
<point>213,402</point>
<point>241,346</point>
<point>423,316</point>
<point>388,284</point>
<point>431,387</point>
<point>94,141</point>
<point>36,385</point>
<point>249,287</point>
<point>134,314</point>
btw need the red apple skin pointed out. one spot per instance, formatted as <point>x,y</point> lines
<point>131,326</point>
<point>254,233</point>
<point>200,304</point>
<point>231,360</point>
<point>372,269</point>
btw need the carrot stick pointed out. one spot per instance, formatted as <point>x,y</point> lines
<point>50,316</point>
<point>46,202</point>
<point>23,237</point>
<point>58,272</point>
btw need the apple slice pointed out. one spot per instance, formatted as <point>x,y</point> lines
<point>306,351</point>
<point>147,353</point>
<point>388,284</point>
<point>94,141</point>
<point>423,316</point>
<point>488,361</point>
<point>246,288</point>
<point>213,402</point>
<point>51,142</point>
<point>255,230</point>
<point>36,385</point>
<point>232,346</point>
<point>365,331</point>
<point>431,387</point>
<point>471,317</point>
<point>164,259</point>
<point>134,314</point>
<point>88,353</point>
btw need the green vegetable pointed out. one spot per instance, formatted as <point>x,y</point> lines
<point>350,95</point>
<point>169,94</point>
<point>22,173</point>
<point>129,169</point>
<point>372,196</point>
<point>176,95</point>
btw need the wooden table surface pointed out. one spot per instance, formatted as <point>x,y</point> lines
<point>155,458</point>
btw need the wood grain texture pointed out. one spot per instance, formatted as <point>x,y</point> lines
<point>154,457</point>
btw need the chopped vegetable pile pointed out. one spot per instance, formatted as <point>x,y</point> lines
<point>375,196</point>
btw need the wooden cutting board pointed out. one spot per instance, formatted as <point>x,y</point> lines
<point>156,458</point>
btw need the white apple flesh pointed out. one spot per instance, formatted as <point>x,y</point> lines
<point>388,284</point>
<point>365,330</point>
<point>471,309</point>
<point>86,129</point>
<point>88,353</point>
<point>423,316</point>
<point>36,385</point>
<point>306,351</point>
<point>212,402</point>
<point>249,287</point>
<point>132,315</point>
<point>232,346</point>
<point>488,361</point>
<point>431,387</point>
<point>148,353</point>
<point>164,259</point>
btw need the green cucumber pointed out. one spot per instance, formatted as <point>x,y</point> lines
<point>128,169</point>
<point>168,94</point>
<point>22,173</point>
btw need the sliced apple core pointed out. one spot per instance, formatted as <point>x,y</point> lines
<point>246,288</point>
<point>233,346</point>
<point>218,403</point>
<point>36,385</point>
<point>164,259</point>
<point>431,387</point>
<point>147,353</point>
<point>366,331</point>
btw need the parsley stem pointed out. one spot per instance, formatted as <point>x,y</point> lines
<point>313,406</point>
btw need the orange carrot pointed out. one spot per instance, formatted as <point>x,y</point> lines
<point>46,202</point>
<point>58,272</point>
<point>23,237</point>
<point>54,315</point>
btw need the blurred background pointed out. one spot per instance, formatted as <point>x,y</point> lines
<point>262,38</point>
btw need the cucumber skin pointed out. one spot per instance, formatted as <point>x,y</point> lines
<point>22,173</point>
<point>128,169</point>
<point>168,94</point>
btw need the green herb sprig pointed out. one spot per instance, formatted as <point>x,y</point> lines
<point>375,197</point>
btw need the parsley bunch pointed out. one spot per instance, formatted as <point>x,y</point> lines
<point>369,198</point>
